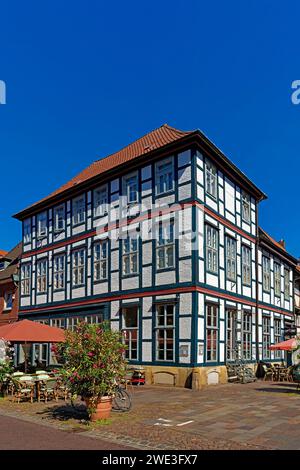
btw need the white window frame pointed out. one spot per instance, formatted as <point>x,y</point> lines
<point>266,271</point>
<point>165,245</point>
<point>286,284</point>
<point>72,322</point>
<point>58,322</point>
<point>277,279</point>
<point>59,215</point>
<point>277,335</point>
<point>165,331</point>
<point>42,228</point>
<point>164,176</point>
<point>79,210</point>
<point>78,267</point>
<point>59,271</point>
<point>131,181</point>
<point>246,265</point>
<point>8,296</point>
<point>246,335</point>
<point>266,331</point>
<point>41,276</point>
<point>128,332</point>
<point>25,279</point>
<point>100,196</point>
<point>27,231</point>
<point>231,248</point>
<point>130,255</point>
<point>213,328</point>
<point>100,260</point>
<point>211,179</point>
<point>212,249</point>
<point>246,207</point>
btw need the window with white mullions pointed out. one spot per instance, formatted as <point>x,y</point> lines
<point>42,225</point>
<point>25,279</point>
<point>78,267</point>
<point>246,265</point>
<point>211,179</point>
<point>277,335</point>
<point>130,255</point>
<point>72,322</point>
<point>100,201</point>
<point>59,219</point>
<point>211,249</point>
<point>165,332</point>
<point>41,276</point>
<point>230,259</point>
<point>246,208</point>
<point>231,334</point>
<point>100,260</point>
<point>165,245</point>
<point>130,331</point>
<point>78,210</point>
<point>286,284</point>
<point>266,274</point>
<point>131,188</point>
<point>57,322</point>
<point>277,279</point>
<point>59,272</point>
<point>212,332</point>
<point>27,231</point>
<point>247,335</point>
<point>164,176</point>
<point>266,337</point>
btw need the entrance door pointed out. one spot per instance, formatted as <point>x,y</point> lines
<point>231,334</point>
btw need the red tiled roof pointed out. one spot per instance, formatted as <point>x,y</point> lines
<point>152,141</point>
<point>3,253</point>
<point>278,244</point>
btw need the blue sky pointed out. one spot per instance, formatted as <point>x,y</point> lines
<point>86,78</point>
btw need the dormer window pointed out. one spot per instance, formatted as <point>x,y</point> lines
<point>2,265</point>
<point>42,225</point>
<point>8,300</point>
<point>59,218</point>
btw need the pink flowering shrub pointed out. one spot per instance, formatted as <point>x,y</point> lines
<point>94,360</point>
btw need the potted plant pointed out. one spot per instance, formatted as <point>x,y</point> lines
<point>93,363</point>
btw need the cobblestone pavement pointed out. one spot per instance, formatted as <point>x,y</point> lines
<point>260,415</point>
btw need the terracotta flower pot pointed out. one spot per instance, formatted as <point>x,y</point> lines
<point>103,408</point>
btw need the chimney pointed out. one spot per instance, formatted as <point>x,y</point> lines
<point>282,243</point>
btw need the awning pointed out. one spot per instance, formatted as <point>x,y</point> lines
<point>288,345</point>
<point>27,331</point>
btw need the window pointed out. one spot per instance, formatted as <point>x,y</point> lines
<point>57,322</point>
<point>286,284</point>
<point>246,209</point>
<point>266,337</point>
<point>42,225</point>
<point>73,322</point>
<point>165,245</point>
<point>59,219</point>
<point>27,231</point>
<point>164,176</point>
<point>277,279</point>
<point>130,331</point>
<point>41,276</point>
<point>211,179</point>
<point>8,300</point>
<point>100,201</point>
<point>277,334</point>
<point>131,189</point>
<point>247,336</point>
<point>231,334</point>
<point>165,332</point>
<point>79,210</point>
<point>25,279</point>
<point>130,255</point>
<point>230,259</point>
<point>100,260</point>
<point>266,274</point>
<point>94,319</point>
<point>59,272</point>
<point>212,317</point>
<point>2,265</point>
<point>246,265</point>
<point>78,267</point>
<point>211,249</point>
